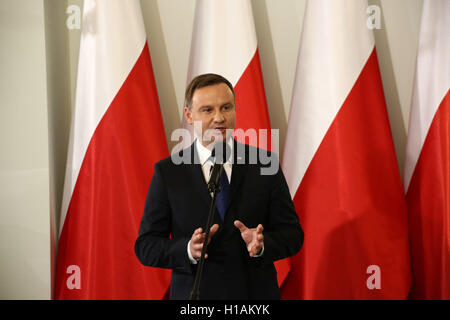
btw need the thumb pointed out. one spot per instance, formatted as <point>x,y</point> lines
<point>213,229</point>
<point>238,224</point>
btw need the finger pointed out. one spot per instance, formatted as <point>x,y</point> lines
<point>260,237</point>
<point>254,250</point>
<point>213,229</point>
<point>200,238</point>
<point>197,232</point>
<point>238,224</point>
<point>197,246</point>
<point>260,228</point>
<point>198,254</point>
<point>195,250</point>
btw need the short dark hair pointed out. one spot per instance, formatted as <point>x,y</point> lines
<point>204,80</point>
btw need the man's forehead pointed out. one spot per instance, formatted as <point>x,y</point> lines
<point>213,94</point>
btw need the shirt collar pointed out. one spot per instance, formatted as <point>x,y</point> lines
<point>204,153</point>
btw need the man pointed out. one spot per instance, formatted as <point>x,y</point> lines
<point>255,222</point>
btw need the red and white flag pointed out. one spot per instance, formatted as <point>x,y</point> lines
<point>340,164</point>
<point>117,135</point>
<point>427,168</point>
<point>224,42</point>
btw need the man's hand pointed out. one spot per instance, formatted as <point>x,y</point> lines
<point>197,239</point>
<point>254,237</point>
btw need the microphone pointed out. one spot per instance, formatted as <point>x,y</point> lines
<point>221,153</point>
<point>215,176</point>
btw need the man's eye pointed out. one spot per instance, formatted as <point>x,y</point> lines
<point>206,110</point>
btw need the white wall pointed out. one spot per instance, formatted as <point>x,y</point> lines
<point>24,160</point>
<point>36,47</point>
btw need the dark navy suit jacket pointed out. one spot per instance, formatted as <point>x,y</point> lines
<point>178,203</point>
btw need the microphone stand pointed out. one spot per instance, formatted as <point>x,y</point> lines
<point>213,188</point>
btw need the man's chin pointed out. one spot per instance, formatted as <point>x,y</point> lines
<point>215,137</point>
<point>210,143</point>
<point>219,138</point>
<point>218,135</point>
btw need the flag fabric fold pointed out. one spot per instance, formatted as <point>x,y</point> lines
<point>117,135</point>
<point>427,166</point>
<point>340,164</point>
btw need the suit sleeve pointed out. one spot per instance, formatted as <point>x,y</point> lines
<point>283,237</point>
<point>154,246</point>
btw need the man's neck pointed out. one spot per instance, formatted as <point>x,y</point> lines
<point>205,151</point>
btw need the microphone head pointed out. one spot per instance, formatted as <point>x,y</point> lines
<point>221,152</point>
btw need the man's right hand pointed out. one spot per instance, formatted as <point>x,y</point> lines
<point>197,239</point>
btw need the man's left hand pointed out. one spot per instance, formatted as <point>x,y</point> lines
<point>253,237</point>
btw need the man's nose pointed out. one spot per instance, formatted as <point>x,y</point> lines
<point>219,117</point>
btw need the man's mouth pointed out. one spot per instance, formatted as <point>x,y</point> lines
<point>220,129</point>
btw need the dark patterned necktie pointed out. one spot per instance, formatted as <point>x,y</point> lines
<point>222,196</point>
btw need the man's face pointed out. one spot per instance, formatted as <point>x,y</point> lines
<point>214,106</point>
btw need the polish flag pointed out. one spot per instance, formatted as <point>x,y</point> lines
<point>340,164</point>
<point>427,169</point>
<point>224,42</point>
<point>116,136</point>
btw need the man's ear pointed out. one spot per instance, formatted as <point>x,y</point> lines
<point>188,115</point>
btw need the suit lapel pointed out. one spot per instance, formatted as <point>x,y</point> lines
<point>196,173</point>
<point>238,170</point>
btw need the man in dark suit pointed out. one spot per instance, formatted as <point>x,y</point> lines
<point>255,222</point>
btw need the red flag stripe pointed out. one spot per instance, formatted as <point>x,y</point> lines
<point>251,104</point>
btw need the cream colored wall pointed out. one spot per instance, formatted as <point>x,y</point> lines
<point>24,153</point>
<point>39,57</point>
<point>59,84</point>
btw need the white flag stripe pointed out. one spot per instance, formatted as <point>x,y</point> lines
<point>102,32</point>
<point>224,39</point>
<point>430,83</point>
<point>328,66</point>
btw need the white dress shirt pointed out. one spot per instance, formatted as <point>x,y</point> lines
<point>204,155</point>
